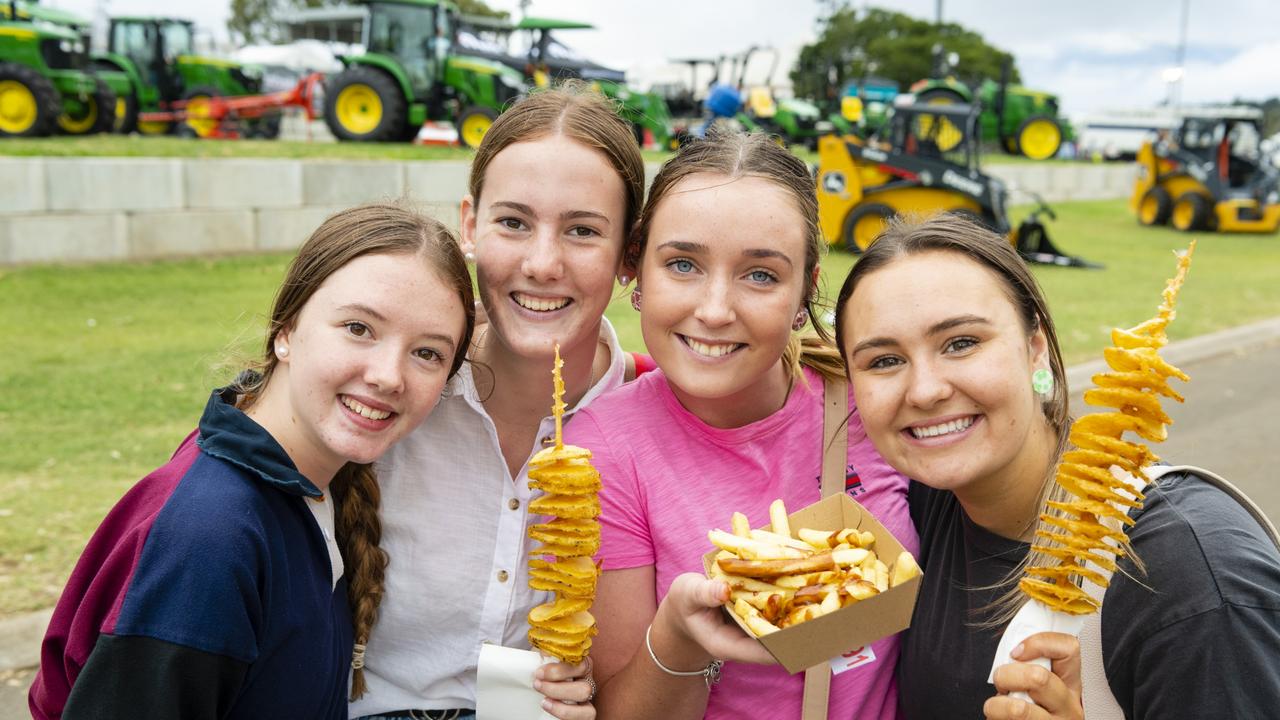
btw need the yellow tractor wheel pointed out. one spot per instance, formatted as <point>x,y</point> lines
<point>359,109</point>
<point>200,113</point>
<point>29,104</point>
<point>18,109</point>
<point>864,224</point>
<point>473,124</point>
<point>946,135</point>
<point>1155,207</point>
<point>1039,138</point>
<point>1191,212</point>
<point>95,114</point>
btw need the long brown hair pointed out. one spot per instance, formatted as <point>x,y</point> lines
<point>371,229</point>
<point>734,155</point>
<point>953,233</point>
<point>579,113</point>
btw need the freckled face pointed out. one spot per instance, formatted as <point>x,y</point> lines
<point>722,279</point>
<point>941,368</point>
<point>548,232</point>
<point>368,357</point>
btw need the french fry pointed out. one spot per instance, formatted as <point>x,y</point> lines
<point>831,602</point>
<point>904,568</point>
<point>741,527</point>
<point>882,576</point>
<point>778,518</point>
<point>749,548</point>
<point>771,538</point>
<point>774,568</point>
<point>750,584</point>
<point>819,539</point>
<point>853,557</point>
<point>861,589</point>
<point>795,582</point>
<point>755,622</point>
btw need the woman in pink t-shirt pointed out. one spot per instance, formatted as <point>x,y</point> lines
<point>726,262</point>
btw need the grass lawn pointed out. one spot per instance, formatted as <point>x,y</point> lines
<point>141,146</point>
<point>121,358</point>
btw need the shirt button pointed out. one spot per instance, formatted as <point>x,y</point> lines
<point>513,503</point>
<point>502,576</point>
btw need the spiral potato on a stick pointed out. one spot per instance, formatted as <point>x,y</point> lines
<point>564,627</point>
<point>1089,529</point>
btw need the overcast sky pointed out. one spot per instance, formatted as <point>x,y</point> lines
<point>1095,54</point>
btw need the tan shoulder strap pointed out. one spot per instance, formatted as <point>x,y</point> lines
<point>835,458</point>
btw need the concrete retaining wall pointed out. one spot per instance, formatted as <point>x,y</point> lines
<point>87,209</point>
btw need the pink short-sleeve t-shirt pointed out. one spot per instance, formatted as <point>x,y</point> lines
<point>669,478</point>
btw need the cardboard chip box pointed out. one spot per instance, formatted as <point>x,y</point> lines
<point>816,641</point>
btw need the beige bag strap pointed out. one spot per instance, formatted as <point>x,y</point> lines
<point>835,458</point>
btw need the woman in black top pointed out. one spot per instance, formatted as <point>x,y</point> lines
<point>942,326</point>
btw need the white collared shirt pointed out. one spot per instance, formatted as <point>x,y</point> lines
<point>454,524</point>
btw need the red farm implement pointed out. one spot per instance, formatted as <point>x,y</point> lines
<point>215,116</point>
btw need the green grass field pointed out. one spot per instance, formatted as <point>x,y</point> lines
<point>107,367</point>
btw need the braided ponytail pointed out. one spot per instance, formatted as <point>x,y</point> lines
<point>356,497</point>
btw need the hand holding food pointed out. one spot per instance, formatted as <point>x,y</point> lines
<point>777,580</point>
<point>564,627</point>
<point>1091,525</point>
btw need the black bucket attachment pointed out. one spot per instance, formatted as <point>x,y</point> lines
<point>1035,246</point>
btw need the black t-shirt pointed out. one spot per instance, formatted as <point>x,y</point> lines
<point>1197,636</point>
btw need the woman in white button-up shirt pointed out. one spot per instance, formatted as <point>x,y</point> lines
<point>554,190</point>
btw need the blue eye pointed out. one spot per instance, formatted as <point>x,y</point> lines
<point>681,265</point>
<point>761,276</point>
<point>884,362</point>
<point>962,344</point>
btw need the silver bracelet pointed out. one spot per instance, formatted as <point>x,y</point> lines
<point>710,673</point>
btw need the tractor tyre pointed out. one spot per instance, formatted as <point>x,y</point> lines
<point>364,104</point>
<point>199,118</point>
<point>29,104</point>
<point>1155,207</point>
<point>126,114</point>
<point>1039,138</point>
<point>97,115</point>
<point>1191,212</point>
<point>864,224</point>
<point>473,123</point>
<point>941,96</point>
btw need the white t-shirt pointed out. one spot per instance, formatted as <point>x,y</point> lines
<point>454,524</point>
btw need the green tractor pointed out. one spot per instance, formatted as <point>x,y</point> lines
<point>410,73</point>
<point>1023,122</point>
<point>550,60</point>
<point>157,56</point>
<point>45,82</point>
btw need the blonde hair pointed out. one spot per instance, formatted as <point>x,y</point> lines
<point>734,155</point>
<point>371,229</point>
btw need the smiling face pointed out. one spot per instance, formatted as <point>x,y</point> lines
<point>365,362</point>
<point>547,233</point>
<point>941,368</point>
<point>722,279</point>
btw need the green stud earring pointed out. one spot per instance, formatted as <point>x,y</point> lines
<point>1042,381</point>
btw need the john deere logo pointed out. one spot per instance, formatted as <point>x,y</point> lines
<point>833,182</point>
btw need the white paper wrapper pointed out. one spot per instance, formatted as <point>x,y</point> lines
<point>1034,617</point>
<point>504,684</point>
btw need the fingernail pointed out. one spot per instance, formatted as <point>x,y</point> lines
<point>537,684</point>
<point>1017,651</point>
<point>546,705</point>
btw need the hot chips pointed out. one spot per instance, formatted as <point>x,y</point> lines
<point>777,580</point>
<point>563,627</point>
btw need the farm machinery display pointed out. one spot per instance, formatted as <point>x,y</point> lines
<point>928,163</point>
<point>1209,174</point>
<point>1022,121</point>
<point>410,72</point>
<point>46,84</point>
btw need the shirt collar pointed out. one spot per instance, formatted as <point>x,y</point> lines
<point>464,384</point>
<point>229,435</point>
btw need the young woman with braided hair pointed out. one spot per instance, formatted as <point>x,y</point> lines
<point>215,587</point>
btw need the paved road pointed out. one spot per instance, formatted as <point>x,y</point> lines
<point>1228,424</point>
